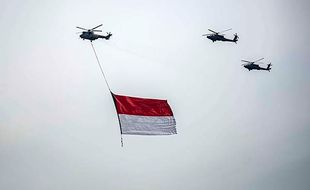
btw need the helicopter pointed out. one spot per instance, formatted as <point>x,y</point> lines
<point>217,36</point>
<point>250,65</point>
<point>89,34</point>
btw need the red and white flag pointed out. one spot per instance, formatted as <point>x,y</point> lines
<point>142,116</point>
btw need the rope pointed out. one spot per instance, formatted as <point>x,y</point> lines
<point>105,79</point>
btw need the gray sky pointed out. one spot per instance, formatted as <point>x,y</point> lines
<point>236,129</point>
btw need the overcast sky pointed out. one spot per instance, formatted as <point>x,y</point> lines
<point>236,129</point>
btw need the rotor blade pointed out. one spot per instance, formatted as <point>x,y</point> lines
<point>246,61</point>
<point>225,30</point>
<point>206,34</point>
<point>212,31</point>
<point>81,28</point>
<point>96,27</point>
<point>258,60</point>
<point>97,30</point>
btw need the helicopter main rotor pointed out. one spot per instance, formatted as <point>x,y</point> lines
<point>252,62</point>
<point>91,30</point>
<point>216,33</point>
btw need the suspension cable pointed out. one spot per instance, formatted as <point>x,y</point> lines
<point>105,79</point>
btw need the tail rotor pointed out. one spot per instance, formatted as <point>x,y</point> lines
<point>236,38</point>
<point>269,67</point>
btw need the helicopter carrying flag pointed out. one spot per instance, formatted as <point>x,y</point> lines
<point>144,116</point>
<point>137,116</point>
<point>89,34</point>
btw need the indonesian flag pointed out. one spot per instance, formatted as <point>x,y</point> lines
<point>142,116</point>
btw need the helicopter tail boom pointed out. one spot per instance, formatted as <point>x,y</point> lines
<point>107,37</point>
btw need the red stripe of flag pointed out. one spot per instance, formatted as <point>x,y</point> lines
<point>141,106</point>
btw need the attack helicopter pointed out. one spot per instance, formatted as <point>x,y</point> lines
<point>218,36</point>
<point>89,34</point>
<point>250,65</point>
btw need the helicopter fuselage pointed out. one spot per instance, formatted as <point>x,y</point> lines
<point>92,36</point>
<point>89,36</point>
<point>253,66</point>
<point>217,37</point>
